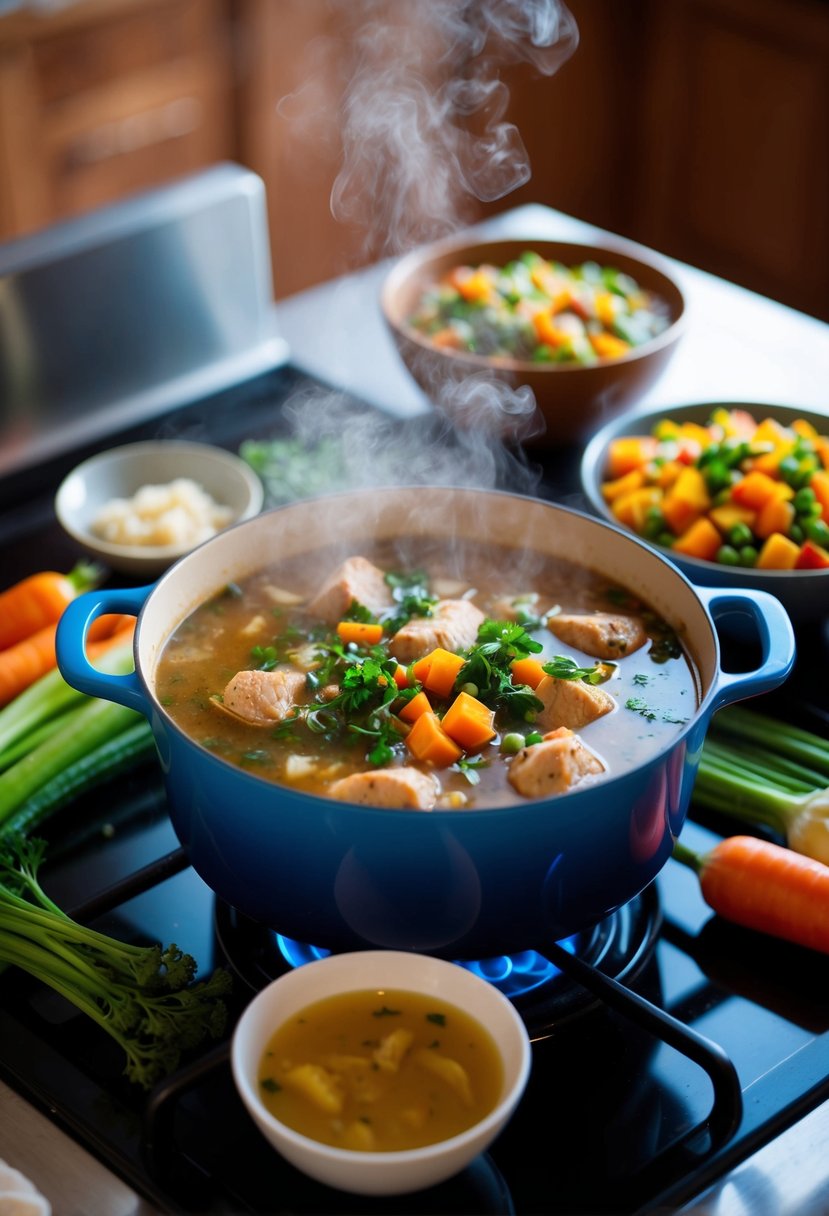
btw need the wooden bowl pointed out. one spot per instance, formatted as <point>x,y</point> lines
<point>571,401</point>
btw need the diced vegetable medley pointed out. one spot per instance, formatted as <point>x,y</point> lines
<point>540,311</point>
<point>734,490</point>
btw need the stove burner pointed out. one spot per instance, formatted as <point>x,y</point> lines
<point>619,946</point>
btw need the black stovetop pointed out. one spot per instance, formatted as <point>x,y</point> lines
<point>620,1115</point>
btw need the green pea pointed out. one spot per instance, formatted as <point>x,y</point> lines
<point>817,531</point>
<point>727,555</point>
<point>748,555</point>
<point>740,535</point>
<point>512,743</point>
<point>470,689</point>
<point>804,500</point>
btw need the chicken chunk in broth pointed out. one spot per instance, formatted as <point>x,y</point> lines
<point>356,679</point>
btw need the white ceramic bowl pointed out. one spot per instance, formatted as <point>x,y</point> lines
<point>391,1173</point>
<point>120,472</point>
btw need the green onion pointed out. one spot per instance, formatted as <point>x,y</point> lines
<point>764,771</point>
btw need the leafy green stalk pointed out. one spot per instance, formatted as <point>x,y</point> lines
<point>142,996</point>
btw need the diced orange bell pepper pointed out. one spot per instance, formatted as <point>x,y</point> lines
<point>438,670</point>
<point>701,540</point>
<point>429,743</point>
<point>469,722</point>
<point>812,557</point>
<point>779,552</point>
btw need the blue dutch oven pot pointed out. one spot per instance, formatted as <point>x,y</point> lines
<point>459,883</point>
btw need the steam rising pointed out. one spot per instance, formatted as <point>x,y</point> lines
<point>421,123</point>
<point>421,108</point>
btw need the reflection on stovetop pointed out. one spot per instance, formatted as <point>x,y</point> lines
<point>621,1115</point>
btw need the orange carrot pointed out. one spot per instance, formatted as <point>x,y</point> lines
<point>429,743</point>
<point>39,600</point>
<point>360,632</point>
<point>411,711</point>
<point>31,658</point>
<point>527,671</point>
<point>438,670</point>
<point>766,887</point>
<point>469,722</point>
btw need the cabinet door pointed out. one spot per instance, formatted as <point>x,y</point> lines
<point>736,172</point>
<point>98,101</point>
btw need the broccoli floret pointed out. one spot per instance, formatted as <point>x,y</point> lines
<point>142,996</point>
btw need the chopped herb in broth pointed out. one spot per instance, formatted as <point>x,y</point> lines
<point>392,678</point>
<point>381,1071</point>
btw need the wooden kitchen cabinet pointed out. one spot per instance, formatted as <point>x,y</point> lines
<point>102,98</point>
<point>697,127</point>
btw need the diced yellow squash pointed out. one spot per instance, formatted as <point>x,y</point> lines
<point>696,433</point>
<point>629,452</point>
<point>778,553</point>
<point>448,1070</point>
<point>666,428</point>
<point>318,1085</point>
<point>771,431</point>
<point>686,500</point>
<point>701,540</point>
<point>668,472</point>
<point>769,462</point>
<point>605,303</point>
<point>805,429</point>
<point>631,509</point>
<point>690,485</point>
<point>623,485</point>
<point>729,514</point>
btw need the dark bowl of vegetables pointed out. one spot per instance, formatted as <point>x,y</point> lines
<point>534,340</point>
<point>735,494</point>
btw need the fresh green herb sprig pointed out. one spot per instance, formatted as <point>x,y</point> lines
<point>488,668</point>
<point>142,996</point>
<point>562,667</point>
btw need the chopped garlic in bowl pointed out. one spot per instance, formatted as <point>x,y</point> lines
<point>140,507</point>
<point>179,513</point>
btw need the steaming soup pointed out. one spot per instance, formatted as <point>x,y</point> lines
<point>398,678</point>
<point>381,1071</point>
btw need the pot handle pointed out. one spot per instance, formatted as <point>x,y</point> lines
<point>776,635</point>
<point>70,646</point>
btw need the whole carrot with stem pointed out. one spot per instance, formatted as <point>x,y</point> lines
<point>764,886</point>
<point>39,599</point>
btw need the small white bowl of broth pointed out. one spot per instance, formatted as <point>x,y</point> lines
<point>380,1072</point>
